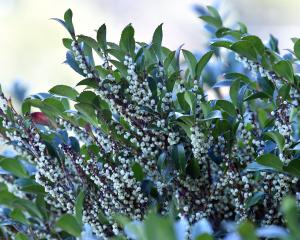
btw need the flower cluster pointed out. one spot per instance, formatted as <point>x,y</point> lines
<point>143,135</point>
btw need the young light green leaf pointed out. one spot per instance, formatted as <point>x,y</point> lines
<point>69,224</point>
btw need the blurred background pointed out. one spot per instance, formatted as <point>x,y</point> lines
<point>32,52</point>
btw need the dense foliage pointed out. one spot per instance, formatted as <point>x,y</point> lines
<point>139,140</point>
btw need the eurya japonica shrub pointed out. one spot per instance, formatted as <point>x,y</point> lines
<point>138,139</point>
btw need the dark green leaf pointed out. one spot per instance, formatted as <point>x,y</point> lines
<point>101,37</point>
<point>202,63</point>
<point>138,172</point>
<point>127,42</point>
<point>254,199</point>
<point>270,160</point>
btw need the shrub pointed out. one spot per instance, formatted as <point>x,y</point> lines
<point>139,134</point>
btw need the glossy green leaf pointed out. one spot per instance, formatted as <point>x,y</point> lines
<point>127,42</point>
<point>297,48</point>
<point>64,90</point>
<point>270,160</point>
<point>254,199</point>
<point>203,62</point>
<point>191,61</point>
<point>277,138</point>
<point>101,37</point>
<point>13,166</point>
<point>284,69</point>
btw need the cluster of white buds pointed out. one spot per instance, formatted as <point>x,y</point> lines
<point>173,138</point>
<point>80,58</point>
<point>160,71</point>
<point>73,130</point>
<point>166,101</point>
<point>139,90</point>
<point>8,180</point>
<point>200,144</point>
<point>181,88</point>
<point>3,104</point>
<point>195,85</point>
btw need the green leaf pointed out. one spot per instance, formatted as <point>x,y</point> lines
<point>68,21</point>
<point>270,160</point>
<point>19,216</point>
<point>157,40</point>
<point>92,43</point>
<point>101,37</point>
<point>191,62</point>
<point>247,231</point>
<point>120,66</point>
<point>163,228</point>
<point>224,44</point>
<point>234,91</point>
<point>214,12</point>
<point>254,199</point>
<point>178,155</point>
<point>79,206</point>
<point>202,63</point>
<point>256,43</point>
<point>13,166</point>
<point>290,211</point>
<point>293,167</point>
<point>277,138</point>
<point>245,49</point>
<point>256,95</point>
<point>69,224</point>
<point>227,107</point>
<point>297,48</point>
<point>29,185</point>
<point>102,218</point>
<point>191,100</point>
<point>170,57</point>
<point>29,206</point>
<point>67,42</point>
<point>70,60</point>
<point>224,83</point>
<point>284,69</point>
<point>161,162</point>
<point>215,114</point>
<point>138,172</point>
<point>127,42</point>
<point>64,90</point>
<point>21,236</point>
<point>90,82</point>
<point>88,112</point>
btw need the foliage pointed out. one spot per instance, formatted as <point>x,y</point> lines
<point>138,140</point>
